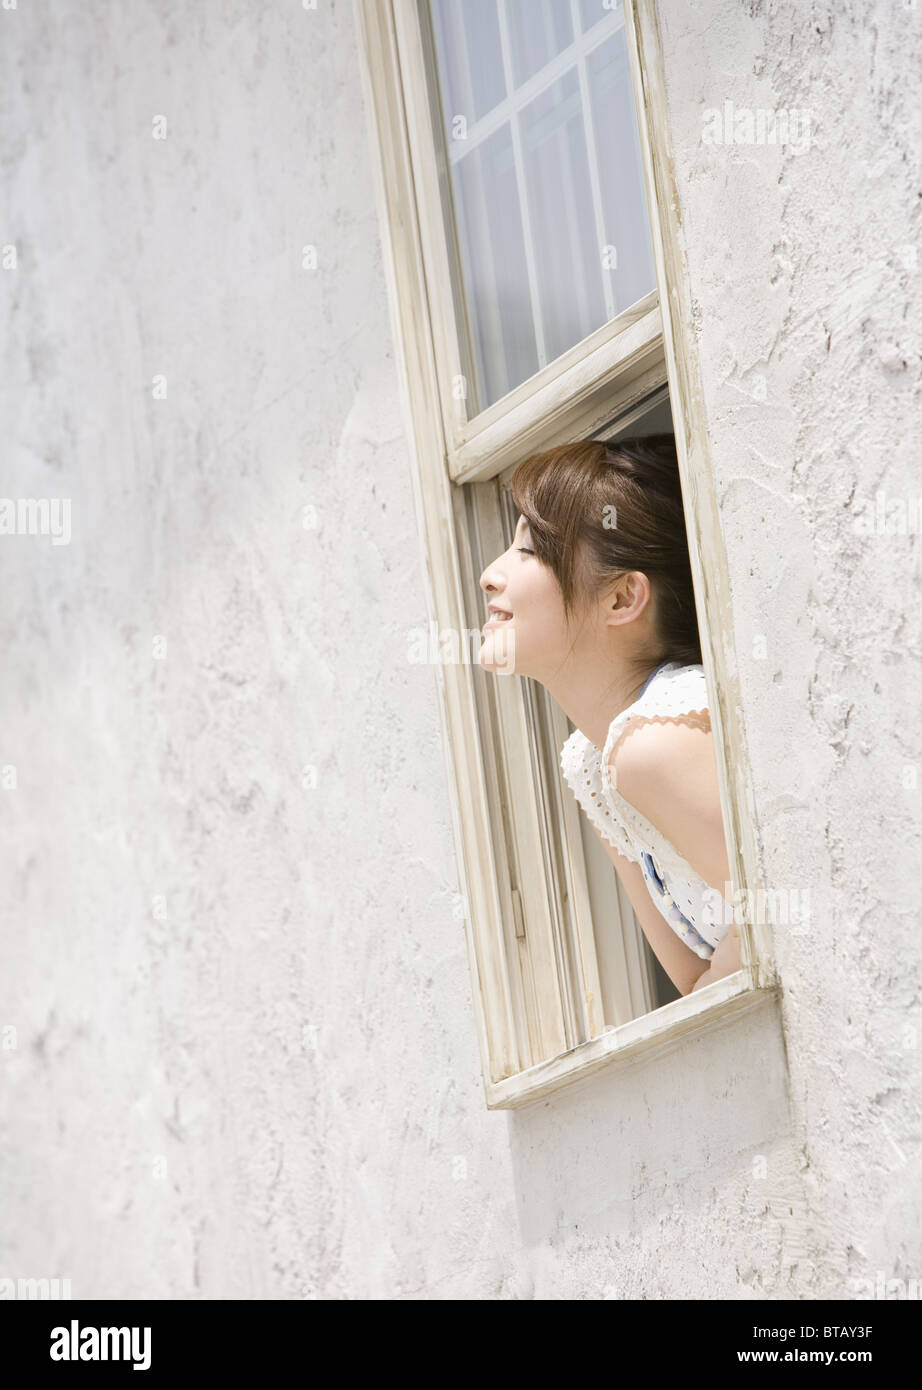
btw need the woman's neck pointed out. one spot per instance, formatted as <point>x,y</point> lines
<point>592,697</point>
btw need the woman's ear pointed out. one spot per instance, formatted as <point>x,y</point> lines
<point>631,596</point>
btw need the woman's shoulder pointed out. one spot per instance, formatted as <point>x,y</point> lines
<point>648,749</point>
<point>659,751</point>
<point>661,762</point>
<point>659,756</point>
<point>658,724</point>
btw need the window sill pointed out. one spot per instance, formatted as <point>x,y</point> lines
<point>693,1013</point>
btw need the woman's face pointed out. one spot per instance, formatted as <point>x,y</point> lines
<point>536,638</point>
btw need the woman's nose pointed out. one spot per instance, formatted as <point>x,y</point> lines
<point>488,579</point>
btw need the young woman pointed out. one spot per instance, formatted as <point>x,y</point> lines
<point>594,599</point>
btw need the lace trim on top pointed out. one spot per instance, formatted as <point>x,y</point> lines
<point>580,763</point>
<point>673,690</point>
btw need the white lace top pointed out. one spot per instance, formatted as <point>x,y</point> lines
<point>682,896</point>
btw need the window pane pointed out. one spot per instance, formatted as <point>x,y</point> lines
<point>538,31</point>
<point>591,11</point>
<point>495,274</point>
<point>470,58</point>
<point>571,300</point>
<point>624,198</point>
<point>544,185</point>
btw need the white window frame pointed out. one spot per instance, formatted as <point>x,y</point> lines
<point>574,396</point>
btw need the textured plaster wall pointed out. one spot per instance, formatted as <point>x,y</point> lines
<point>804,271</point>
<point>239,1049</point>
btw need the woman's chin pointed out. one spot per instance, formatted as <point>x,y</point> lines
<point>498,652</point>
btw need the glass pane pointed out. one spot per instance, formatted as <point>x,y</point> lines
<point>493,261</point>
<point>470,58</point>
<point>591,11</point>
<point>652,415</point>
<point>571,300</point>
<point>542,185</point>
<point>538,31</point>
<point>624,199</point>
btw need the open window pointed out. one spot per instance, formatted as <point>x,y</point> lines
<point>532,254</point>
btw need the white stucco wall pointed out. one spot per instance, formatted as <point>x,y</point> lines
<point>805,271</point>
<point>239,1049</point>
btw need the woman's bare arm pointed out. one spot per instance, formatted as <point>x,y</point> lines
<point>678,960</point>
<point>725,960</point>
<point>667,771</point>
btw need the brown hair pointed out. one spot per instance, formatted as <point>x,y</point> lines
<point>620,506</point>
